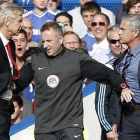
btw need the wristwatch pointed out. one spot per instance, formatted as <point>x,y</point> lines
<point>123,85</point>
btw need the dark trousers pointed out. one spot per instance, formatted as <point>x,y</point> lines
<point>64,134</point>
<point>6,109</point>
<point>131,125</point>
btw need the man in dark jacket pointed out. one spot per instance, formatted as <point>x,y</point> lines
<point>59,75</point>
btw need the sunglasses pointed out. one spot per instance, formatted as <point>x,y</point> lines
<point>113,41</point>
<point>100,23</point>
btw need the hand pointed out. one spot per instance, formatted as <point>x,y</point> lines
<point>13,86</point>
<point>68,29</point>
<point>110,136</point>
<point>114,131</point>
<point>126,95</point>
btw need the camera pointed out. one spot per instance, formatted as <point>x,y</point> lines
<point>62,25</point>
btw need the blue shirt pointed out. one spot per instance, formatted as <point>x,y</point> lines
<point>90,40</point>
<point>38,21</point>
<point>131,73</point>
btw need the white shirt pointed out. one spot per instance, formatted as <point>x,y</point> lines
<point>79,26</point>
<point>54,12</point>
<point>5,41</point>
<point>104,45</point>
<point>8,93</point>
<point>103,56</point>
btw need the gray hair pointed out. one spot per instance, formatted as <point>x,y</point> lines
<point>52,25</point>
<point>134,21</point>
<point>9,11</point>
<point>114,28</point>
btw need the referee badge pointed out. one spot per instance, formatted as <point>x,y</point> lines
<point>52,81</point>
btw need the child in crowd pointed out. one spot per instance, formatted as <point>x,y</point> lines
<point>39,16</point>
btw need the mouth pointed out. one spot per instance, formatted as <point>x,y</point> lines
<point>98,31</point>
<point>19,50</point>
<point>41,4</point>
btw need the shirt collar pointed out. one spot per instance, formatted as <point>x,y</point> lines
<point>103,44</point>
<point>4,39</point>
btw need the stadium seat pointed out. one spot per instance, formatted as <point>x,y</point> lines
<point>67,5</point>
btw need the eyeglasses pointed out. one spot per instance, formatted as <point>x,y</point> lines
<point>113,41</point>
<point>100,23</point>
<point>74,43</point>
<point>54,0</point>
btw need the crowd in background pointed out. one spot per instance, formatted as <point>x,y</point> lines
<point>103,36</point>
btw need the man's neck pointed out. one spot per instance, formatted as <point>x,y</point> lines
<point>99,41</point>
<point>16,120</point>
<point>39,11</point>
<point>5,33</point>
<point>134,43</point>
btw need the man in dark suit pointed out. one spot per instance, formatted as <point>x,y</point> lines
<point>10,24</point>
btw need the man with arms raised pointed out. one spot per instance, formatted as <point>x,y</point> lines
<point>59,74</point>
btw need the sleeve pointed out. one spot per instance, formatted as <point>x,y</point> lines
<point>102,106</point>
<point>26,76</point>
<point>100,73</point>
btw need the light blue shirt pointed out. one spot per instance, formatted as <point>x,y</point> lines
<point>131,73</point>
<point>90,40</point>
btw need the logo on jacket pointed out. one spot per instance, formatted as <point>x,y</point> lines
<point>52,81</point>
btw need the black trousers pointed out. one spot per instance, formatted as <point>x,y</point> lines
<point>64,134</point>
<point>6,109</point>
<point>131,125</point>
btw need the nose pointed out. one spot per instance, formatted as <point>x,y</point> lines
<point>18,43</point>
<point>45,44</point>
<point>27,30</point>
<point>137,10</point>
<point>118,44</point>
<point>49,1</point>
<point>71,45</point>
<point>120,32</point>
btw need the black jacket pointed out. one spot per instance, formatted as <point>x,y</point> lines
<point>61,106</point>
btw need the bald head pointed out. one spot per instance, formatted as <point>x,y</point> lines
<point>27,26</point>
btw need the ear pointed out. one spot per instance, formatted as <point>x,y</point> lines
<point>136,33</point>
<point>7,22</point>
<point>109,26</point>
<point>21,109</point>
<point>61,40</point>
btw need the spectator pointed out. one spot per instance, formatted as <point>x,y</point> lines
<point>27,26</point>
<point>88,10</point>
<point>18,104</point>
<point>65,20</point>
<point>71,40</point>
<point>38,17</point>
<point>133,7</point>
<point>99,26</point>
<point>128,66</point>
<point>21,47</point>
<point>10,24</point>
<point>120,11</point>
<point>60,72</point>
<point>78,24</point>
<point>115,47</point>
<point>52,6</point>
